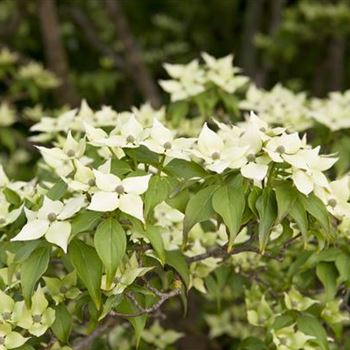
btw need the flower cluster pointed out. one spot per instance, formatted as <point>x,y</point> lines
<point>192,79</point>
<point>332,112</point>
<point>15,315</point>
<point>279,106</point>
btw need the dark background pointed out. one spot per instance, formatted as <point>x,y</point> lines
<point>111,51</point>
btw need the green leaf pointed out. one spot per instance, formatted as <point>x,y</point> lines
<point>178,110</point>
<point>198,209</point>
<point>184,169</point>
<point>120,167</point>
<point>158,190</point>
<point>85,221</point>
<point>57,191</point>
<point>229,202</point>
<point>298,213</point>
<point>179,200</point>
<point>252,197</point>
<point>327,274</point>
<point>177,260</point>
<point>284,320</point>
<point>310,325</point>
<point>26,249</point>
<point>154,234</point>
<point>252,343</point>
<point>63,323</point>
<point>32,269</point>
<point>12,197</point>
<point>110,244</point>
<point>267,210</point>
<point>143,155</point>
<point>88,266</point>
<point>285,196</point>
<point>342,263</point>
<point>317,209</point>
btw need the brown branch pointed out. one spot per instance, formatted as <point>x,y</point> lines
<point>133,58</point>
<point>222,252</point>
<point>102,329</point>
<point>55,52</point>
<point>152,309</point>
<point>111,319</point>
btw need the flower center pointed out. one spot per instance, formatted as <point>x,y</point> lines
<point>215,156</point>
<point>63,290</point>
<point>167,145</point>
<point>70,153</point>
<point>119,189</point>
<point>52,217</point>
<point>280,149</point>
<point>130,139</point>
<point>36,318</point>
<point>332,202</point>
<point>251,157</point>
<point>6,316</point>
<point>91,182</point>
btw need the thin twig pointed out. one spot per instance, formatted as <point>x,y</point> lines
<point>222,252</point>
<point>103,328</point>
<point>112,318</point>
<point>151,309</point>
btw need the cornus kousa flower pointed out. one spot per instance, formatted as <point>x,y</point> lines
<point>83,178</point>
<point>223,74</point>
<point>308,167</point>
<point>336,197</point>
<point>7,216</point>
<point>7,305</point>
<point>188,80</point>
<point>127,134</point>
<point>125,275</point>
<point>71,149</point>
<point>38,318</point>
<point>161,140</point>
<point>51,221</point>
<point>112,193</point>
<point>10,339</point>
<point>282,148</point>
<point>146,114</point>
<point>248,138</point>
<point>289,339</point>
<point>211,148</point>
<point>279,106</point>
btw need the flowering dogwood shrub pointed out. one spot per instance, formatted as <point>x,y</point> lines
<point>128,216</point>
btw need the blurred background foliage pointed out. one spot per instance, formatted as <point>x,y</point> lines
<point>112,51</point>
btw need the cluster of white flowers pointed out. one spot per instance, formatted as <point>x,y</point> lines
<point>251,147</point>
<point>192,79</point>
<point>75,120</point>
<point>333,112</point>
<point>279,106</point>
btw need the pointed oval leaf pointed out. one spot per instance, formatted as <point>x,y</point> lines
<point>32,269</point>
<point>267,210</point>
<point>229,202</point>
<point>110,244</point>
<point>198,209</point>
<point>88,266</point>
